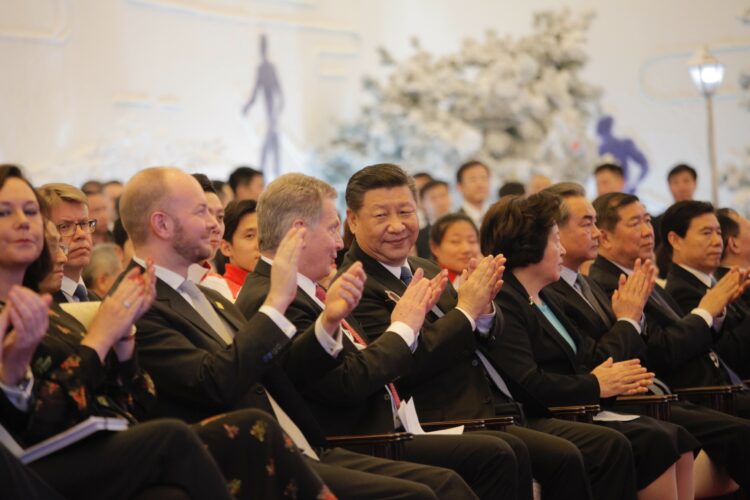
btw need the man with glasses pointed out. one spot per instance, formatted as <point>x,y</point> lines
<point>69,211</point>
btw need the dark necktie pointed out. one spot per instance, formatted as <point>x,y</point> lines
<point>81,294</point>
<point>656,294</point>
<point>588,295</point>
<point>320,293</point>
<point>406,275</point>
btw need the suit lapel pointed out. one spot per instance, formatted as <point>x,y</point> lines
<point>173,300</point>
<point>547,327</point>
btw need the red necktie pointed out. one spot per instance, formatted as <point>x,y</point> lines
<point>320,293</point>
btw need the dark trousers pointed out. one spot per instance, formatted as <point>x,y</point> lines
<point>361,477</point>
<point>20,482</point>
<point>724,438</point>
<point>556,464</point>
<point>607,456</point>
<point>494,464</point>
<point>118,465</point>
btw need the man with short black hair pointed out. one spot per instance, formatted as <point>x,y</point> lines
<point>682,180</point>
<point>610,178</point>
<point>246,183</point>
<point>692,235</point>
<point>473,182</point>
<point>436,201</point>
<point>456,381</point>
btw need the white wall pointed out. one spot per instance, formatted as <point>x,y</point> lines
<point>100,88</point>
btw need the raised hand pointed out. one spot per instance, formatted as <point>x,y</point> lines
<point>417,300</point>
<point>721,294</point>
<point>28,313</point>
<point>624,377</point>
<point>343,296</point>
<point>630,298</point>
<point>284,270</point>
<point>112,326</point>
<point>476,292</point>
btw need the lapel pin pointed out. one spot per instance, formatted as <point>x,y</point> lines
<point>393,296</point>
<point>219,305</point>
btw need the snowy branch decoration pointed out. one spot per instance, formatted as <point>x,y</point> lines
<point>519,105</point>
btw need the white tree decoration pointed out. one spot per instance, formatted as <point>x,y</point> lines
<point>518,105</point>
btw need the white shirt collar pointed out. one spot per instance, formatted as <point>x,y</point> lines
<point>68,286</point>
<point>474,213</point>
<point>168,276</point>
<point>624,269</point>
<point>569,276</point>
<point>395,270</point>
<point>705,278</point>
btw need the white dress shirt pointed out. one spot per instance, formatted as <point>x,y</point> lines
<point>68,288</point>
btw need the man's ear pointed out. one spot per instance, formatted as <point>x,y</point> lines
<point>674,240</point>
<point>351,219</point>
<point>732,245</point>
<point>225,248</point>
<point>162,225</point>
<point>605,239</point>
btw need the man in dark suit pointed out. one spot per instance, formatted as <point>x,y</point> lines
<point>679,346</point>
<point>69,210</point>
<point>692,235</point>
<point>735,233</point>
<point>458,382</point>
<point>205,358</point>
<point>617,330</point>
<point>349,387</point>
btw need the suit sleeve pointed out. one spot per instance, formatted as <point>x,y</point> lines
<point>442,342</point>
<point>191,372</point>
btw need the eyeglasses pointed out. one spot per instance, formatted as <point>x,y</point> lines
<point>69,228</point>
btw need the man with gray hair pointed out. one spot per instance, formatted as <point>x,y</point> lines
<point>103,269</point>
<point>350,389</point>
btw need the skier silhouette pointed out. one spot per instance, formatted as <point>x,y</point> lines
<point>267,81</point>
<point>623,150</point>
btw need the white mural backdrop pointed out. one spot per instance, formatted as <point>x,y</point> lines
<point>101,88</point>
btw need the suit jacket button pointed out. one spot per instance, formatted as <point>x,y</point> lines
<point>487,400</point>
<point>259,390</point>
<point>474,362</point>
<point>386,397</point>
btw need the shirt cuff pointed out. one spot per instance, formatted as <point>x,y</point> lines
<point>484,322</point>
<point>20,395</point>
<point>284,324</point>
<point>471,320</point>
<point>330,344</point>
<point>705,315</point>
<point>632,322</point>
<point>405,332</point>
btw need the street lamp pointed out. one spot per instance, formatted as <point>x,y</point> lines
<point>707,74</point>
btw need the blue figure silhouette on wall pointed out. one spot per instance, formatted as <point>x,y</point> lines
<point>267,81</point>
<point>623,150</point>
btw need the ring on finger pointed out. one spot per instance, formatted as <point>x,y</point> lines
<point>126,304</point>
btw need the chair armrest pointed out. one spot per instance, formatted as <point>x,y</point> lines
<point>389,445</point>
<point>498,423</point>
<point>470,425</point>
<point>572,413</point>
<point>657,405</point>
<point>720,397</point>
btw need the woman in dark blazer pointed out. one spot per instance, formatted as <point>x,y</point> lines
<point>543,352</point>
